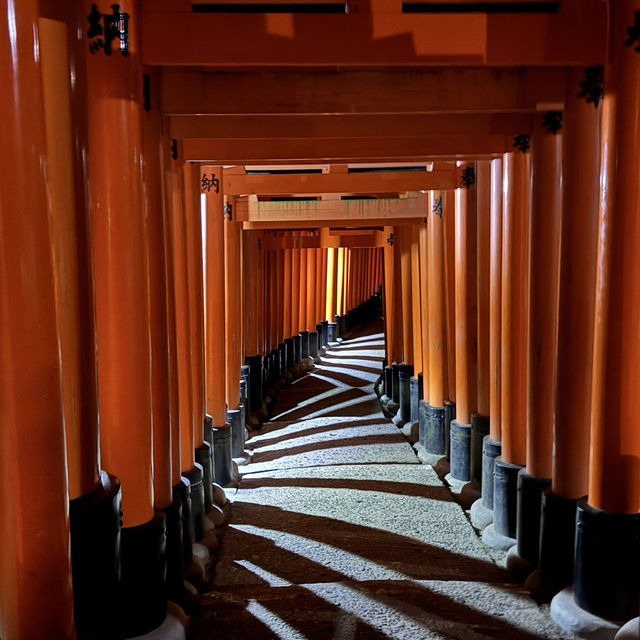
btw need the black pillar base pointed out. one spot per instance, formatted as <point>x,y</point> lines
<point>332,328</point>
<point>449,417</point>
<point>304,337</point>
<point>196,493</point>
<point>415,385</point>
<point>405,371</point>
<point>297,347</point>
<point>234,418</point>
<point>557,541</point>
<point>183,491</point>
<point>175,553</point>
<point>607,563</point>
<point>342,325</point>
<point>144,566</point>
<point>313,345</point>
<point>282,359</point>
<point>95,560</point>
<point>245,372</point>
<point>290,352</point>
<point>479,429</point>
<point>530,491</point>
<point>434,422</point>
<point>490,451</point>
<point>394,404</point>
<point>505,497</point>
<point>387,387</point>
<point>325,332</point>
<point>460,452</point>
<point>205,460</point>
<point>222,455</point>
<point>255,382</point>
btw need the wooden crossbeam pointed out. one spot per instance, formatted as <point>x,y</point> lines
<point>341,183</point>
<point>173,34</point>
<point>427,91</point>
<point>342,150</point>
<point>250,209</point>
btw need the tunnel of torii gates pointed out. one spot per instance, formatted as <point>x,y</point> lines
<point>475,171</point>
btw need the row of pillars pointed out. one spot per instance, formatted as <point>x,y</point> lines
<point>131,302</point>
<point>512,341</point>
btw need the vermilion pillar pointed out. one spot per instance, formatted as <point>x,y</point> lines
<point>312,301</point>
<point>432,410</point>
<point>251,254</point>
<point>280,313</point>
<point>120,251</point>
<point>233,328</point>
<point>608,524</point>
<point>579,239</point>
<point>514,348</point>
<point>417,380</point>
<point>295,305</point>
<point>215,344</point>
<point>448,232</point>
<point>423,263</point>
<point>546,208</point>
<point>35,578</point>
<point>389,305</point>
<point>480,420</point>
<point>466,328</point>
<point>491,447</point>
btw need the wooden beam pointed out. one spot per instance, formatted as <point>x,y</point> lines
<point>302,126</point>
<point>353,183</point>
<point>322,211</point>
<point>341,150</point>
<point>391,92</point>
<point>267,225</point>
<point>385,36</point>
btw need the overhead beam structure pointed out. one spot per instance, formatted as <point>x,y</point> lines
<point>419,92</point>
<point>237,182</point>
<point>380,34</point>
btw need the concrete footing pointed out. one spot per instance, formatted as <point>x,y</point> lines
<point>572,618</point>
<point>490,451</point>
<point>174,626</point>
<point>403,415</point>
<point>394,403</point>
<point>387,386</point>
<point>629,631</point>
<point>479,430</point>
<point>496,540</point>
<point>481,517</point>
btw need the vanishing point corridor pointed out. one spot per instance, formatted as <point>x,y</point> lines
<point>337,531</point>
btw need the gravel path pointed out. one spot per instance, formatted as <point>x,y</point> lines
<point>338,532</point>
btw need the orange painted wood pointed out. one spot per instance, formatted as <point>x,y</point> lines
<point>350,125</point>
<point>250,275</point>
<point>483,283</point>
<point>233,324</point>
<point>332,285</point>
<point>340,267</point>
<point>215,301</point>
<point>423,264</point>
<point>495,307</point>
<point>321,284</point>
<point>312,290</point>
<point>119,231</point>
<point>343,149</point>
<point>448,235</point>
<point>416,319</point>
<point>71,255</point>
<point>302,307</point>
<point>261,297</point>
<point>280,313</point>
<point>437,302</point>
<point>183,311</point>
<point>295,292</point>
<point>155,156</point>
<point>397,309</point>
<point>389,298</point>
<point>286,319</point>
<point>515,306</point>
<point>614,482</point>
<point>579,234</point>
<point>171,197</point>
<point>36,596</point>
<point>546,214</point>
<point>466,303</point>
<point>196,296</point>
